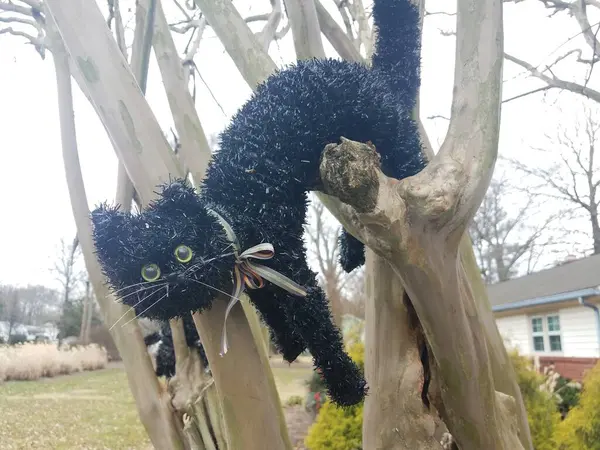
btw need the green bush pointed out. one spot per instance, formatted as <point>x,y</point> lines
<point>581,428</point>
<point>336,428</point>
<point>541,406</point>
<point>568,395</point>
<point>339,428</point>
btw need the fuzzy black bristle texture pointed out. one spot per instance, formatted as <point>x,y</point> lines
<point>125,243</point>
<point>151,339</point>
<point>352,252</point>
<point>258,181</point>
<point>165,357</point>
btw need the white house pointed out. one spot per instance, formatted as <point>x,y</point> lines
<point>553,314</point>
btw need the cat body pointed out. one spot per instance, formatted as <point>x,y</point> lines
<point>160,345</point>
<point>257,182</point>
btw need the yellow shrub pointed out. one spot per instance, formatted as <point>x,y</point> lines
<point>336,428</point>
<point>339,428</point>
<point>581,428</point>
<point>542,411</point>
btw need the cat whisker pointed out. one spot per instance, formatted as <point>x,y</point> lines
<point>153,304</point>
<point>130,286</point>
<point>212,287</point>
<point>137,303</point>
<point>197,266</point>
<point>143,289</point>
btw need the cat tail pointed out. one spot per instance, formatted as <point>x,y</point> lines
<point>398,48</point>
<point>352,252</point>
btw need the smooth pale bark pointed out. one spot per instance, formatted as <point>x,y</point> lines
<point>394,416</point>
<point>335,35</point>
<point>148,160</point>
<point>116,96</point>
<point>245,388</point>
<point>426,261</point>
<point>302,15</point>
<point>194,150</point>
<point>195,153</point>
<point>245,50</point>
<point>151,401</point>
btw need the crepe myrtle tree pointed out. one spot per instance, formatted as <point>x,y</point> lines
<point>426,312</point>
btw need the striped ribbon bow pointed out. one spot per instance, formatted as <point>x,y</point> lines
<point>247,273</point>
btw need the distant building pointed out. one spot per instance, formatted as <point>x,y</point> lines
<point>553,314</point>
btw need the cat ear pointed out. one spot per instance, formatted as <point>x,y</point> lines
<point>178,189</point>
<point>108,222</point>
<point>178,197</point>
<point>112,230</point>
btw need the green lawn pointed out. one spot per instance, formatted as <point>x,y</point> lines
<point>291,381</point>
<point>90,410</point>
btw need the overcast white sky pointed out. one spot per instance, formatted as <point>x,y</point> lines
<point>34,203</point>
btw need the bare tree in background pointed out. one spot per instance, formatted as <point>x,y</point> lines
<point>568,170</point>
<point>11,307</point>
<point>87,314</point>
<point>30,305</point>
<point>581,58</point>
<point>323,233</point>
<point>357,26</point>
<point>355,293</point>
<point>40,304</point>
<point>504,243</point>
<point>67,268</point>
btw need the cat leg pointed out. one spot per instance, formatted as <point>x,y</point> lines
<point>270,303</point>
<point>352,251</point>
<point>312,318</point>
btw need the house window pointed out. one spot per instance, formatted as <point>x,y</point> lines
<point>545,332</point>
<point>537,331</point>
<point>554,333</point>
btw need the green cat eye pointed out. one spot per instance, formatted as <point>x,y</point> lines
<point>183,254</point>
<point>150,272</point>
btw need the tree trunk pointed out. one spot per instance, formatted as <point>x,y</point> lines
<point>86,316</point>
<point>249,397</point>
<point>143,150</point>
<point>595,226</point>
<point>394,415</point>
<point>152,403</point>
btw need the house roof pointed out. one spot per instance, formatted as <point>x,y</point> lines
<point>568,281</point>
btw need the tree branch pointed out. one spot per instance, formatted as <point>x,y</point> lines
<point>151,402</point>
<point>269,31</point>
<point>239,41</point>
<point>302,15</point>
<point>146,154</point>
<point>194,152</point>
<point>336,36</point>
<point>440,201</point>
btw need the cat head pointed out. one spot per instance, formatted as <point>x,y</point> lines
<point>170,259</point>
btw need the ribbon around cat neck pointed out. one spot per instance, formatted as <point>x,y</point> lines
<point>247,273</point>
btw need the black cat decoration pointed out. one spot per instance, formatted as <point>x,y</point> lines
<point>160,343</point>
<point>244,228</point>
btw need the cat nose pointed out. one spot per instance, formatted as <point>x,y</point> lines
<point>175,277</point>
<point>172,277</point>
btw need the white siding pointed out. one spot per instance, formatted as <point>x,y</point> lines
<point>579,333</point>
<point>515,331</point>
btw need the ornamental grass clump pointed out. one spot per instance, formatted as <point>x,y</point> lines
<point>31,361</point>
